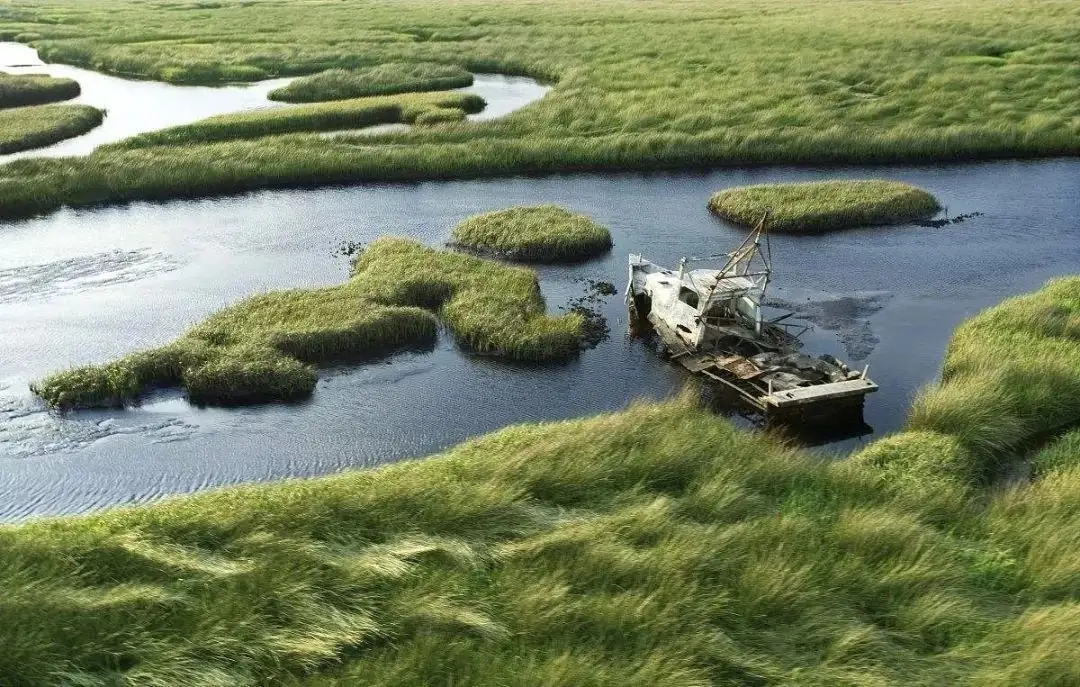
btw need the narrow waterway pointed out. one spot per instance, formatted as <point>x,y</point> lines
<point>85,286</point>
<point>137,106</point>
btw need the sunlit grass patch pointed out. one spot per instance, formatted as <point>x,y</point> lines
<point>267,348</point>
<point>543,233</point>
<point>20,90</point>
<point>822,206</point>
<point>657,545</point>
<point>1011,378</point>
<point>383,79</point>
<point>424,108</point>
<point>25,128</point>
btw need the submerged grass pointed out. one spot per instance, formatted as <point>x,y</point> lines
<point>25,128</point>
<point>20,90</point>
<point>822,206</point>
<point>266,348</point>
<point>638,86</point>
<point>426,108</point>
<point>383,79</point>
<point>542,233</point>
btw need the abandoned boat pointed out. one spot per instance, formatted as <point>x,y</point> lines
<point>710,321</point>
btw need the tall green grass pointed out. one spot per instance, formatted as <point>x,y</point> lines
<point>34,89</point>
<point>656,546</point>
<point>542,233</point>
<point>25,128</point>
<point>1011,378</point>
<point>266,348</point>
<point>383,79</point>
<point>425,108</point>
<point>638,86</point>
<point>822,206</point>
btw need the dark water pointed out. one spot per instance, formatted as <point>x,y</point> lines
<point>135,107</point>
<point>84,286</point>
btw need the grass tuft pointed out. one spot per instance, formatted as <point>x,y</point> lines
<point>425,108</point>
<point>384,79</point>
<point>542,233</point>
<point>25,128</point>
<point>822,206</point>
<point>21,90</point>
<point>266,348</point>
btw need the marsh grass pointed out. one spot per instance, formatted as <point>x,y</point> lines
<point>25,128</point>
<point>821,206</point>
<point>267,348</point>
<point>426,108</point>
<point>383,79</point>
<point>1011,378</point>
<point>658,545</point>
<point>542,233</point>
<point>20,90</point>
<point>637,86</point>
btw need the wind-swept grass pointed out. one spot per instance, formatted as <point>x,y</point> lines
<point>822,206</point>
<point>637,86</point>
<point>267,347</point>
<point>1011,378</point>
<point>542,233</point>
<point>656,546</point>
<point>426,108</point>
<point>20,90</point>
<point>25,128</point>
<point>383,79</point>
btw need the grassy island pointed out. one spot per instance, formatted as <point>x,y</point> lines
<point>383,79</point>
<point>424,108</point>
<point>266,348</point>
<point>25,128</point>
<point>654,546</point>
<point>823,206</point>
<point>543,233</point>
<point>20,90</point>
<point>637,86</point>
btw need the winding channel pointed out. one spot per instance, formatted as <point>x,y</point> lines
<point>135,107</point>
<point>83,286</point>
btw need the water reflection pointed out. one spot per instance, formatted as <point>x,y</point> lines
<point>905,287</point>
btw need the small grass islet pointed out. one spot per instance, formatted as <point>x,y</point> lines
<point>383,79</point>
<point>21,90</point>
<point>26,128</point>
<point>659,545</point>
<point>420,108</point>
<point>267,348</point>
<point>822,206</point>
<point>542,233</point>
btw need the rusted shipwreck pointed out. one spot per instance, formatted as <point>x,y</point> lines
<point>710,321</point>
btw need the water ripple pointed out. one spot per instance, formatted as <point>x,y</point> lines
<point>74,275</point>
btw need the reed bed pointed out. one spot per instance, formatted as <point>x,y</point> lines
<point>21,90</point>
<point>267,348</point>
<point>26,128</point>
<point>426,108</point>
<point>653,86</point>
<point>383,79</point>
<point>822,206</point>
<point>542,233</point>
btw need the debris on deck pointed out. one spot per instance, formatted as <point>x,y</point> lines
<point>711,323</point>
